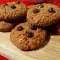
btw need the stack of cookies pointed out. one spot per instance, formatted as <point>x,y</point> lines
<point>45,15</point>
<point>32,33</point>
<point>11,14</point>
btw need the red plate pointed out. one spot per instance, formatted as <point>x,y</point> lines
<point>3,58</point>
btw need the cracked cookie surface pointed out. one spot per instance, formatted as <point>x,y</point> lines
<point>43,15</point>
<point>12,11</point>
<point>27,39</point>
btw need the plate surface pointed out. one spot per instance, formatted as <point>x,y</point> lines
<point>51,50</point>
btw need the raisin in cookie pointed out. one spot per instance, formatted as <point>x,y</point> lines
<point>43,15</point>
<point>12,11</point>
<point>27,39</point>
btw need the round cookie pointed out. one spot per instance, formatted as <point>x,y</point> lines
<point>27,39</point>
<point>6,26</point>
<point>43,15</point>
<point>13,11</point>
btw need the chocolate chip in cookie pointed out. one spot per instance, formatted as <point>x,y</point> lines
<point>33,27</point>
<point>18,2</point>
<point>51,10</point>
<point>13,6</point>
<point>35,10</point>
<point>29,34</point>
<point>20,28</point>
<point>5,4</point>
<point>41,5</point>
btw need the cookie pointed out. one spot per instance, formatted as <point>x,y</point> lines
<point>43,15</point>
<point>27,39</point>
<point>6,26</point>
<point>12,11</point>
